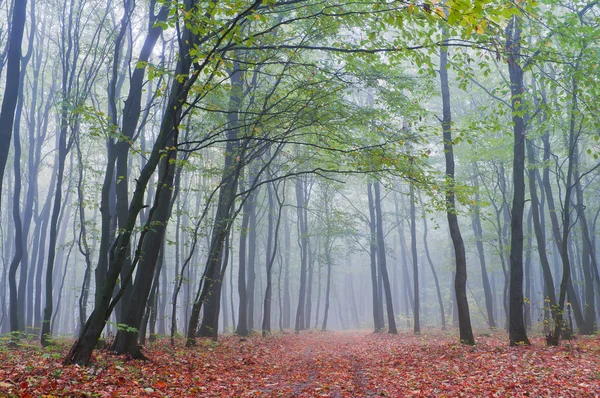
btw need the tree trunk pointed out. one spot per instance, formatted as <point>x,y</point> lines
<point>209,293</point>
<point>287,301</point>
<point>381,261</point>
<point>63,149</point>
<point>242,327</point>
<point>435,276</point>
<point>13,78</point>
<point>303,241</point>
<point>81,350</point>
<point>587,258</point>
<point>478,232</point>
<point>540,236</point>
<point>517,332</point>
<point>272,243</point>
<point>328,261</point>
<point>413,249</point>
<point>460,281</point>
<point>377,304</point>
<point>252,235</point>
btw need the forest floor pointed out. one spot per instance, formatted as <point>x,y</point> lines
<point>313,364</point>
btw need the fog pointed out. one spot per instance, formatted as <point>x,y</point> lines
<point>267,167</point>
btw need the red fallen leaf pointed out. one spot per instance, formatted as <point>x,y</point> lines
<point>160,384</point>
<point>24,385</point>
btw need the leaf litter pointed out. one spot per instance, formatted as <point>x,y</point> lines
<point>315,364</point>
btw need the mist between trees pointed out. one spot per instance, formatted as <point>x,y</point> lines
<point>192,168</point>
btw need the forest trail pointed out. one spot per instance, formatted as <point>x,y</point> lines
<point>316,364</point>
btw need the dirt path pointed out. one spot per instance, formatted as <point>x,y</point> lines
<point>329,364</point>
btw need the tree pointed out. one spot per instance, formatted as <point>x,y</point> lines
<point>460,281</point>
<point>516,324</point>
<point>13,77</point>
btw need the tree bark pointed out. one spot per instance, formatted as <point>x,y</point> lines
<point>301,203</point>
<point>413,249</point>
<point>13,78</point>
<point>517,331</point>
<point>81,350</point>
<point>271,253</point>
<point>478,232</point>
<point>435,276</point>
<point>381,261</point>
<point>242,327</point>
<point>460,281</point>
<point>540,236</point>
<point>378,320</point>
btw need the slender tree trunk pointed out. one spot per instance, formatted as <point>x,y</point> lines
<point>587,258</point>
<point>408,290</point>
<point>328,261</point>
<point>381,261</point>
<point>434,273</point>
<point>303,241</point>
<point>478,232</point>
<point>413,248</point>
<point>252,235</point>
<point>63,149</point>
<point>565,285</point>
<point>528,278</point>
<point>242,327</point>
<point>224,285</point>
<point>540,235</point>
<point>271,253</point>
<point>377,304</point>
<point>287,301</point>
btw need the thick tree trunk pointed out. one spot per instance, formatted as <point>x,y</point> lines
<point>517,331</point>
<point>209,292</point>
<point>148,322</point>
<point>21,231</point>
<point>13,78</point>
<point>131,115</point>
<point>460,281</point>
<point>126,340</point>
<point>81,351</point>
